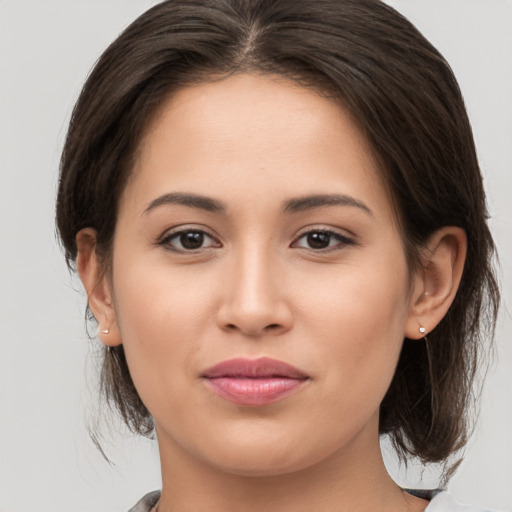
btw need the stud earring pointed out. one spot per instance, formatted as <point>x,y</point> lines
<point>105,331</point>
<point>422,329</point>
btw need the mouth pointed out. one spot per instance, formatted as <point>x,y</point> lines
<point>254,382</point>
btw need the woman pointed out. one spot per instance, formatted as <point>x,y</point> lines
<point>276,210</point>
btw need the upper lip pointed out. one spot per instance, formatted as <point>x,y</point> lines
<point>263,367</point>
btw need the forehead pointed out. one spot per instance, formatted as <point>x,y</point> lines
<point>248,106</point>
<point>254,131</point>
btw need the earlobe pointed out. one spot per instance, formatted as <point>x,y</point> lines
<point>436,283</point>
<point>97,287</point>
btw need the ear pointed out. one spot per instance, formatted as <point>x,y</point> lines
<point>436,283</point>
<point>97,287</point>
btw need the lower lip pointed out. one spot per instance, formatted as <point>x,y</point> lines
<point>253,391</point>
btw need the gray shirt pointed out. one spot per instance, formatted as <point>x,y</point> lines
<point>440,501</point>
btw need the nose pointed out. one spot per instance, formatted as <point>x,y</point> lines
<point>254,299</point>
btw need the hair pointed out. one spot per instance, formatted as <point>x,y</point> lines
<point>405,98</point>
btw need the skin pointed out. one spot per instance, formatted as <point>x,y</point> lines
<point>257,287</point>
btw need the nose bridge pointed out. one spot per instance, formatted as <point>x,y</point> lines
<point>254,298</point>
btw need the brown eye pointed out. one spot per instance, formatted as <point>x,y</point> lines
<point>322,239</point>
<point>192,239</point>
<point>188,240</point>
<point>318,240</point>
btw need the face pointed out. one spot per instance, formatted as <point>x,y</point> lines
<point>259,278</point>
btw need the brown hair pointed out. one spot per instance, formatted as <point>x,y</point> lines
<point>407,101</point>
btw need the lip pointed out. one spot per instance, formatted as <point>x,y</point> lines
<point>254,381</point>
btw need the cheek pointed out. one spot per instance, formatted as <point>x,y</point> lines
<point>362,314</point>
<point>161,315</point>
<point>155,300</point>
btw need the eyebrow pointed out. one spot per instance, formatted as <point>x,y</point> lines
<point>294,205</point>
<point>191,200</point>
<point>317,201</point>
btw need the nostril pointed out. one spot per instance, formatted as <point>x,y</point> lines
<point>268,328</point>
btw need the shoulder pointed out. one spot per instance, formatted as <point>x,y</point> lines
<point>146,503</point>
<point>443,501</point>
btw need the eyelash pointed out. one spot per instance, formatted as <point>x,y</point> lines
<point>342,240</point>
<point>167,239</point>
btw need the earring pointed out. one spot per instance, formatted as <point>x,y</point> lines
<point>105,331</point>
<point>422,329</point>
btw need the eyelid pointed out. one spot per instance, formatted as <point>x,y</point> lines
<point>175,231</point>
<point>326,229</point>
<point>343,238</point>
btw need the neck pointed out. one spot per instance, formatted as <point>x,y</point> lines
<point>352,481</point>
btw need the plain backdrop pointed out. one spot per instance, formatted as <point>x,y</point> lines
<point>47,363</point>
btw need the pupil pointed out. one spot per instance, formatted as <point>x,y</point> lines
<point>192,240</point>
<point>319,240</point>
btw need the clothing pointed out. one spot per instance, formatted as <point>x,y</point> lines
<point>440,501</point>
<point>146,503</point>
<point>443,501</point>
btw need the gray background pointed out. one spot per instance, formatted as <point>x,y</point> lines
<point>48,365</point>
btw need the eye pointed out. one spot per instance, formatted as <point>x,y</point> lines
<point>187,240</point>
<point>322,239</point>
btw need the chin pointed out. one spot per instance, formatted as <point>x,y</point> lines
<point>262,465</point>
<point>260,454</point>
